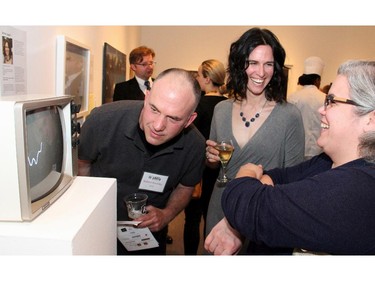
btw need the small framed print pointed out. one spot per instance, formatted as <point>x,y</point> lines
<point>73,71</point>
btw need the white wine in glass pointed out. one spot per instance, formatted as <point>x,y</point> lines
<point>225,148</point>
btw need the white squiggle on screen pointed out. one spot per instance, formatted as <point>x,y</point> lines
<point>35,160</point>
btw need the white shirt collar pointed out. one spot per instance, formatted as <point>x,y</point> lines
<point>141,83</point>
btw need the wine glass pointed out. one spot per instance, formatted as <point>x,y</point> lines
<point>225,148</point>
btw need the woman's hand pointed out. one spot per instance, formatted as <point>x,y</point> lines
<point>223,239</point>
<point>250,170</point>
<point>212,154</point>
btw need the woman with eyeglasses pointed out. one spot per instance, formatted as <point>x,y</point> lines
<point>326,204</point>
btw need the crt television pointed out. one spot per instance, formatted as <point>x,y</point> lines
<point>38,153</point>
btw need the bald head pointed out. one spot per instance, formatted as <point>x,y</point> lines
<point>169,106</point>
<point>181,82</point>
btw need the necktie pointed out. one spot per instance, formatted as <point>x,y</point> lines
<point>147,84</point>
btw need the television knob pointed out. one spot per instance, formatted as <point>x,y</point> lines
<point>76,127</point>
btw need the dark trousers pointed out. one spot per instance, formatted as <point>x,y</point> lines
<point>195,210</point>
<point>160,236</point>
<point>193,214</point>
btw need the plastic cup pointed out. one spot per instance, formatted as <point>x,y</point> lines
<point>136,204</point>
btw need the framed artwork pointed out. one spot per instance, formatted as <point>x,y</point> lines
<point>114,71</point>
<point>73,71</point>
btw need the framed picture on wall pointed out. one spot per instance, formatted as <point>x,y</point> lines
<point>73,71</point>
<point>114,71</point>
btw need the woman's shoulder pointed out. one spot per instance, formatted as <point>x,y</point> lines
<point>223,108</point>
<point>224,104</point>
<point>288,108</point>
<point>287,114</point>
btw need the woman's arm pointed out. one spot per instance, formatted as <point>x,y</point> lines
<point>254,171</point>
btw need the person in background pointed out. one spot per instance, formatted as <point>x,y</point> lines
<point>142,63</point>
<point>326,88</point>
<point>135,140</point>
<point>211,78</point>
<point>325,204</point>
<point>308,100</point>
<point>264,127</point>
<point>7,51</point>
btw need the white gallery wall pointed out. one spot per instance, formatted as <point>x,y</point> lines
<point>41,53</point>
<point>188,46</point>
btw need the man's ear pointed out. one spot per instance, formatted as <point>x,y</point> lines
<point>370,122</point>
<point>132,67</point>
<point>191,119</point>
<point>147,93</point>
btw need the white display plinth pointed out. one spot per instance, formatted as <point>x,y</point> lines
<point>81,222</point>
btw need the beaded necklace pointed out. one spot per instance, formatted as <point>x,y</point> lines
<point>247,122</point>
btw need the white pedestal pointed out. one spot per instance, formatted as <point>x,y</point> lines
<point>81,222</point>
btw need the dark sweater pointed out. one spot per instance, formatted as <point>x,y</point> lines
<point>311,206</point>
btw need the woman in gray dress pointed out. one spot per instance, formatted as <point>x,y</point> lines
<point>264,128</point>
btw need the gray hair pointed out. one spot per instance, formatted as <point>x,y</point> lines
<point>361,78</point>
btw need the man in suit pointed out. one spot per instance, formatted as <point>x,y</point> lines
<point>142,63</point>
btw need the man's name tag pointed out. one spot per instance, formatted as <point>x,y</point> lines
<point>153,182</point>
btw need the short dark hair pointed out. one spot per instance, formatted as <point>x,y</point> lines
<point>308,79</point>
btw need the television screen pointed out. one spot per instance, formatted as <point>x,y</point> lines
<point>44,149</point>
<point>38,153</point>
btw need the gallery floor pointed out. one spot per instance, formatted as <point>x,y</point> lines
<point>176,230</point>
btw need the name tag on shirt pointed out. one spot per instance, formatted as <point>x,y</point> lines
<point>153,182</point>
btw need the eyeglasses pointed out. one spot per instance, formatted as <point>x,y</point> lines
<point>145,64</point>
<point>330,99</point>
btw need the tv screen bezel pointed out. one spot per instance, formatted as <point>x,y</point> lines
<point>31,209</point>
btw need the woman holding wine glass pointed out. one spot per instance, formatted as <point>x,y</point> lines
<point>263,127</point>
<point>225,148</point>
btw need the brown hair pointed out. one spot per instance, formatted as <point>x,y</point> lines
<point>136,55</point>
<point>215,70</point>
